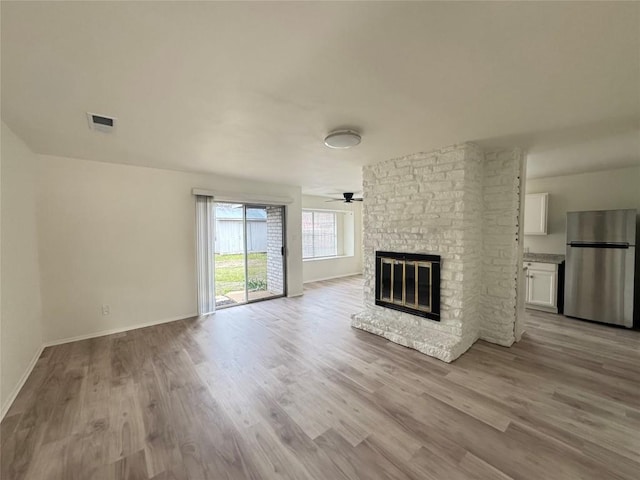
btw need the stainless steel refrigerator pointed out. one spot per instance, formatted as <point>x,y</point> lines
<point>600,266</point>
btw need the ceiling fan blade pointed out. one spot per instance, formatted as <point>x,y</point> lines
<point>358,199</point>
<point>335,200</point>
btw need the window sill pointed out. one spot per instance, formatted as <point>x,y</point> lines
<point>319,259</point>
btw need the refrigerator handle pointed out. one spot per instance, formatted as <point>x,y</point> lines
<point>599,244</point>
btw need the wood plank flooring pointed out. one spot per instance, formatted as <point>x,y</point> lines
<point>285,389</point>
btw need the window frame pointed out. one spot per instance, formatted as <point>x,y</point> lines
<point>336,227</point>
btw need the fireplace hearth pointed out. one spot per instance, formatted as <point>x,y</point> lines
<point>409,282</point>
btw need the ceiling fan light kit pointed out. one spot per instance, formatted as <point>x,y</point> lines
<point>342,139</point>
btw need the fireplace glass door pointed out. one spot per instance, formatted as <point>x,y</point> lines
<point>409,282</point>
<point>423,273</point>
<point>386,282</point>
<point>406,283</point>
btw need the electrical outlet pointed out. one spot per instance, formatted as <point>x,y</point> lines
<point>106,310</point>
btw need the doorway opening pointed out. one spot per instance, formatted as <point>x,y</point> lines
<point>249,262</point>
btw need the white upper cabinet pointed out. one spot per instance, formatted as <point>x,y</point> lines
<point>535,213</point>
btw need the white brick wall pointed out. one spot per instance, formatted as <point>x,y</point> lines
<point>501,255</point>
<point>275,280</point>
<point>435,203</point>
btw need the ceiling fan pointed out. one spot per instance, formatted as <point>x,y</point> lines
<point>348,198</point>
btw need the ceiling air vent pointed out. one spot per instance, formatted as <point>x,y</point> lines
<point>101,123</point>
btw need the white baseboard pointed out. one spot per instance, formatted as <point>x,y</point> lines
<point>334,276</point>
<point>111,331</point>
<point>21,382</point>
<point>23,379</point>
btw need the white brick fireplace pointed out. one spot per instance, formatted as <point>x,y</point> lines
<point>462,204</point>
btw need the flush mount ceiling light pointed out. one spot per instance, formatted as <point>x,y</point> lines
<point>342,139</point>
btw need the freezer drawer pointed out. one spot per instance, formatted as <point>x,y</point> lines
<point>602,226</point>
<point>599,284</point>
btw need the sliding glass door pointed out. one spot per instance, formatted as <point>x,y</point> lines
<point>249,253</point>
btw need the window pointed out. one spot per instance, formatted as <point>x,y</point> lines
<point>319,234</point>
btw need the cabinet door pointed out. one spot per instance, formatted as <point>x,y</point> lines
<point>535,214</point>
<point>541,288</point>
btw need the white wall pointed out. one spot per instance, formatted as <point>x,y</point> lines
<point>320,269</point>
<point>124,236</point>
<point>21,326</point>
<point>609,189</point>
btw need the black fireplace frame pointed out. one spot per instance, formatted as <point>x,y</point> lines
<point>434,260</point>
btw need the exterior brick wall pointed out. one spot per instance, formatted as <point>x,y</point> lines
<point>435,203</point>
<point>275,272</point>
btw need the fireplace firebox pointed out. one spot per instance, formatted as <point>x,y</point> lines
<point>409,282</point>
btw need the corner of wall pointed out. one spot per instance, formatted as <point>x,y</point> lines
<point>21,331</point>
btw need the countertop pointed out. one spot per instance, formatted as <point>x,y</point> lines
<point>543,257</point>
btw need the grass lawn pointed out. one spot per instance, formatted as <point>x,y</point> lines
<point>230,272</point>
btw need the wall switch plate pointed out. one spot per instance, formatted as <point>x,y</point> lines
<point>106,310</point>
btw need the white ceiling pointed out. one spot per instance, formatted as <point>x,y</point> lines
<point>250,89</point>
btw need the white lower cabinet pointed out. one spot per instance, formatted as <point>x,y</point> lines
<point>541,286</point>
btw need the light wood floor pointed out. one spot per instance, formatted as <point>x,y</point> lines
<point>286,389</point>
